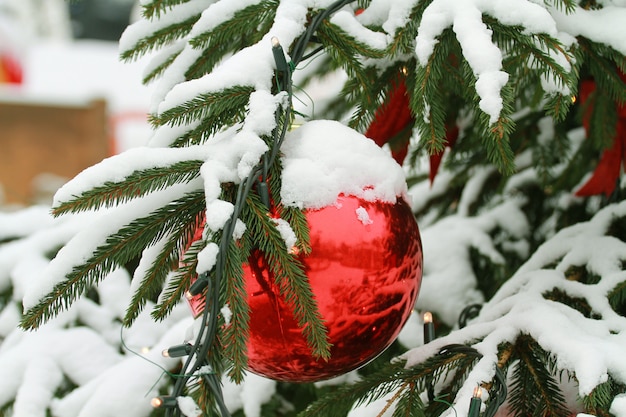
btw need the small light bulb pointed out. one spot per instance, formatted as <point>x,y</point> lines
<point>573,99</point>
<point>429,327</point>
<point>197,287</point>
<point>475,403</point>
<point>275,42</point>
<point>145,350</point>
<point>177,351</point>
<point>428,317</point>
<point>164,402</point>
<point>404,70</point>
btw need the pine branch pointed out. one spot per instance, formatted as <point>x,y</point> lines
<point>577,303</point>
<point>410,403</point>
<point>167,260</point>
<point>118,249</point>
<point>177,285</point>
<point>158,70</point>
<point>153,280</point>
<point>566,5</point>
<point>346,51</point>
<point>602,119</point>
<point>228,36</point>
<point>599,400</point>
<point>617,298</point>
<point>235,334</point>
<point>365,104</point>
<point>534,390</point>
<point>160,38</point>
<point>136,185</point>
<point>192,136</point>
<point>203,396</point>
<point>215,108</point>
<point>204,130</point>
<point>392,378</point>
<point>602,61</point>
<point>427,98</point>
<point>254,15</point>
<point>454,374</point>
<point>288,274</point>
<point>537,50</point>
<point>367,99</point>
<point>404,38</point>
<point>296,218</point>
<point>340,401</point>
<point>156,7</point>
<point>496,141</point>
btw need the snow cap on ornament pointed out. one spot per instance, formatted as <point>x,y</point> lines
<point>323,159</point>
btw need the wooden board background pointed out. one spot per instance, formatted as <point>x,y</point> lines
<point>36,139</point>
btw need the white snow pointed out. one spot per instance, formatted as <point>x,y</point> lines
<point>363,216</point>
<point>250,395</point>
<point>604,25</point>
<point>207,257</point>
<point>226,313</point>
<point>618,406</point>
<point>286,233</point>
<point>188,407</point>
<point>323,159</point>
<point>347,21</point>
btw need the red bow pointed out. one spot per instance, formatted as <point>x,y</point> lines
<point>393,123</point>
<point>607,172</point>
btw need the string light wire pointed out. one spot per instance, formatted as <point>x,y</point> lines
<point>498,391</point>
<point>198,355</point>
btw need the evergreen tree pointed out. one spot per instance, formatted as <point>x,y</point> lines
<point>523,225</point>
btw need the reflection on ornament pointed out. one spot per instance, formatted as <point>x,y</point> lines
<point>365,270</point>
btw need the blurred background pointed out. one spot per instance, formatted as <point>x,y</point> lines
<point>99,19</point>
<point>66,100</point>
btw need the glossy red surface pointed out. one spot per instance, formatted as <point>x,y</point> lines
<point>365,271</point>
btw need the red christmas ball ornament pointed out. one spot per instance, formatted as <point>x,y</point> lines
<point>365,271</point>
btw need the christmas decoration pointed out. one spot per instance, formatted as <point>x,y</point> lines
<point>365,270</point>
<point>607,173</point>
<point>393,122</point>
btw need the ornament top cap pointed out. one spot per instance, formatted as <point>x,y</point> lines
<point>323,159</point>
